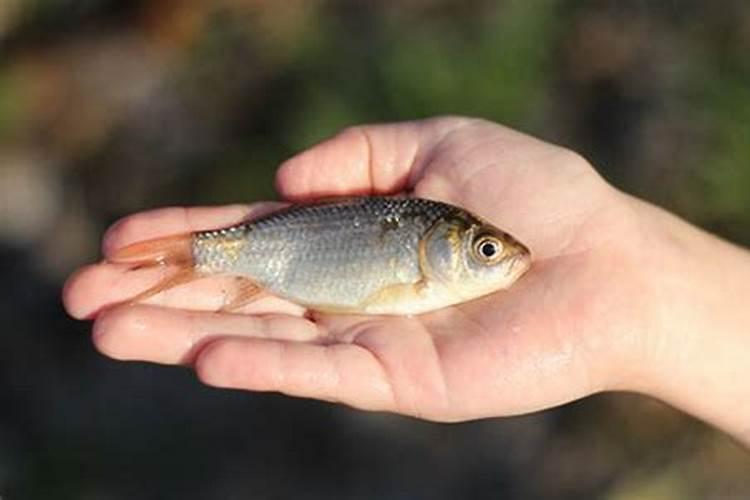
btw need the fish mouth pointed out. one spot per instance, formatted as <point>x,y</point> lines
<point>519,264</point>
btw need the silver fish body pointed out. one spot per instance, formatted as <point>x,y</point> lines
<point>371,255</point>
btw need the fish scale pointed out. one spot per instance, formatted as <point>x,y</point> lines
<point>332,253</point>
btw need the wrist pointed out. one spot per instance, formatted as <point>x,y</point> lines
<point>696,352</point>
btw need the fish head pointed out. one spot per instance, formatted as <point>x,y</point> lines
<point>471,257</point>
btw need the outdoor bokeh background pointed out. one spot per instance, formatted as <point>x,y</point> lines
<point>109,107</point>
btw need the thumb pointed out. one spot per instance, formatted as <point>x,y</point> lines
<point>366,159</point>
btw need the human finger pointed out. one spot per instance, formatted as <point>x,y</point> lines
<point>345,373</point>
<point>171,336</point>
<point>366,159</point>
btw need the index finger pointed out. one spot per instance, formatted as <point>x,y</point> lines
<point>366,159</point>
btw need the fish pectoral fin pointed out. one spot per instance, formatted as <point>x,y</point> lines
<point>247,291</point>
<point>394,297</point>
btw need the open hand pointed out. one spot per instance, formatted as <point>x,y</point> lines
<point>571,327</point>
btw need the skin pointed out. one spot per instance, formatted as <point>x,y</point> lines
<point>620,296</point>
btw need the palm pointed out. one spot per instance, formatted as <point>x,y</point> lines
<point>541,343</point>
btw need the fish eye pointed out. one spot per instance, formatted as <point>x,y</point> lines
<point>488,248</point>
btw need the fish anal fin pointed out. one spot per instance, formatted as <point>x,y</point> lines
<point>247,291</point>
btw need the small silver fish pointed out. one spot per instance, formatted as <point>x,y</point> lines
<point>367,255</point>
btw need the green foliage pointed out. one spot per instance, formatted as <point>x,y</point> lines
<point>719,193</point>
<point>12,105</point>
<point>493,67</point>
<point>489,65</point>
<point>726,176</point>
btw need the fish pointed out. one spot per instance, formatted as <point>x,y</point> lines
<point>374,255</point>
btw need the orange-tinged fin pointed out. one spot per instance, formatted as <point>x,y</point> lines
<point>247,291</point>
<point>182,276</point>
<point>170,250</point>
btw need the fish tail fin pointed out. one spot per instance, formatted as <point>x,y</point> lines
<point>173,251</point>
<point>169,250</point>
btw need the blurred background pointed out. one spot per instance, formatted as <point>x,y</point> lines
<point>108,107</point>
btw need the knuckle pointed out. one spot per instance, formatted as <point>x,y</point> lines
<point>351,131</point>
<point>572,159</point>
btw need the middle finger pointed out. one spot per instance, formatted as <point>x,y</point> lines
<point>171,336</point>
